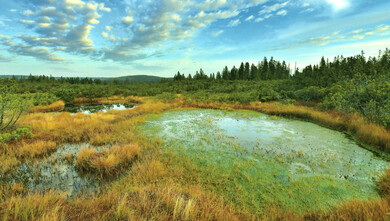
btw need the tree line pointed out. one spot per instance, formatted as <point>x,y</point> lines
<point>264,70</point>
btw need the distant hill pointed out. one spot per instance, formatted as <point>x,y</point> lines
<point>138,78</point>
<point>130,78</point>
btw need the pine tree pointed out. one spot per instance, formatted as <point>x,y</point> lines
<point>226,73</point>
<point>241,71</point>
<point>219,77</point>
<point>246,71</point>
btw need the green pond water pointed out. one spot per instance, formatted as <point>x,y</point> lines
<point>254,160</point>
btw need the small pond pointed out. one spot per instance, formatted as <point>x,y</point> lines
<point>263,160</point>
<point>93,108</point>
<point>56,172</point>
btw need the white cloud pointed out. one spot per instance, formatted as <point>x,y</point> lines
<point>337,37</point>
<point>28,13</point>
<point>249,18</point>
<point>59,26</point>
<point>282,12</point>
<point>273,8</point>
<point>27,50</point>
<point>212,4</point>
<point>66,25</point>
<point>13,10</point>
<point>27,22</point>
<point>305,4</point>
<point>103,8</point>
<point>234,23</point>
<point>217,33</point>
<point>128,20</point>
<point>269,11</point>
<point>259,19</point>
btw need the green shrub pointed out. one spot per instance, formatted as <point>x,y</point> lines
<point>67,95</point>
<point>15,135</point>
<point>312,93</point>
<point>166,96</point>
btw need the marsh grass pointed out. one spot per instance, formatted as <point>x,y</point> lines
<point>108,100</point>
<point>54,107</point>
<point>108,162</point>
<point>163,185</point>
<point>36,149</point>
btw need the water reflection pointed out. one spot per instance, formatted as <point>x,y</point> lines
<point>93,108</point>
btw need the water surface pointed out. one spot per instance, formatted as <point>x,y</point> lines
<point>93,108</point>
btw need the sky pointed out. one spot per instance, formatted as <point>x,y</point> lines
<point>111,38</point>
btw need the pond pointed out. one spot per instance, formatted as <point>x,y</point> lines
<point>257,160</point>
<point>93,108</point>
<point>56,172</point>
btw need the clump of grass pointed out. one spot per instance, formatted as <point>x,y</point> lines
<point>383,184</point>
<point>7,162</point>
<point>69,158</point>
<point>36,149</point>
<point>54,107</point>
<point>376,209</point>
<point>108,162</point>
<point>18,188</point>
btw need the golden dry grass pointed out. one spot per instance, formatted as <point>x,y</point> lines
<point>54,107</point>
<point>108,162</point>
<point>108,100</point>
<point>384,184</point>
<point>36,148</point>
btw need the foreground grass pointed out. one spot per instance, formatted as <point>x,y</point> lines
<point>159,186</point>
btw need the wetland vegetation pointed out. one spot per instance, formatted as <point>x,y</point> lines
<point>253,143</point>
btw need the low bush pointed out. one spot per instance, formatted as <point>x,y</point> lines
<point>16,135</point>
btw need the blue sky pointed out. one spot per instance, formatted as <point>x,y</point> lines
<point>127,37</point>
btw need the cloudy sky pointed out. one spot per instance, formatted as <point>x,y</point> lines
<point>129,37</point>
